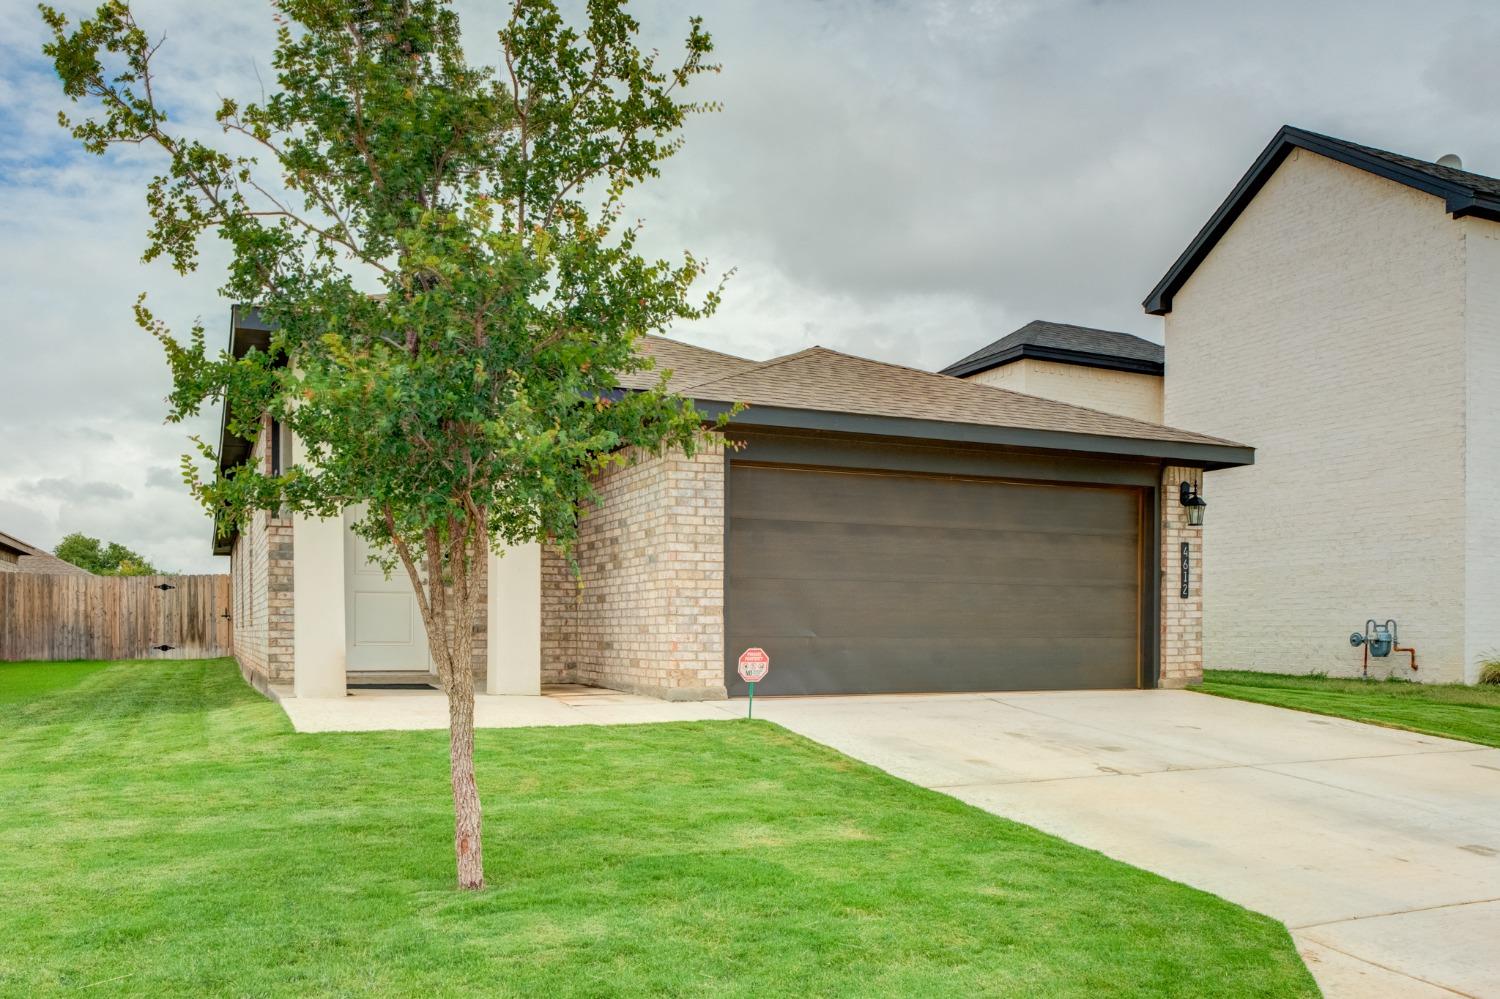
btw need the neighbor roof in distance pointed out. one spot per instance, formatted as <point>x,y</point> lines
<point>1044,340</point>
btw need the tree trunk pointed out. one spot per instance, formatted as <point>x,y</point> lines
<point>467,818</point>
<point>457,674</point>
<point>448,608</point>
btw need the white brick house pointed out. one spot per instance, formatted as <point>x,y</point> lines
<point>1341,310</point>
<point>875,528</point>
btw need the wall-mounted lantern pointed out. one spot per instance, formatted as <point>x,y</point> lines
<point>1194,503</point>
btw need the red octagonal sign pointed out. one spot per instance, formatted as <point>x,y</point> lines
<point>754,665</point>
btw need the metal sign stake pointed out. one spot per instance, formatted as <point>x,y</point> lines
<point>753,666</point>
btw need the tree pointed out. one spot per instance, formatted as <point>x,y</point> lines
<point>470,403</point>
<point>113,559</point>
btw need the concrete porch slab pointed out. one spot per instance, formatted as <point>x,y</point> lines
<point>411,710</point>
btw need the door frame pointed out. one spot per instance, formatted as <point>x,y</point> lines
<point>351,609</point>
<point>822,452</point>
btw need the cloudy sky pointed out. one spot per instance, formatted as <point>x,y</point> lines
<point>906,181</point>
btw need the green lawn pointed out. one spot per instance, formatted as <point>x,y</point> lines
<point>1447,709</point>
<point>164,832</point>
<point>21,682</point>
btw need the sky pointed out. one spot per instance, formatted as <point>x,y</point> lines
<point>903,181</point>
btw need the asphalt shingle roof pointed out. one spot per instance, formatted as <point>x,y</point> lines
<point>826,380</point>
<point>1476,182</point>
<point>36,560</point>
<point>1062,340</point>
<point>688,364</point>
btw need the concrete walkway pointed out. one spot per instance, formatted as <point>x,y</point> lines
<point>384,710</point>
<point>1380,849</point>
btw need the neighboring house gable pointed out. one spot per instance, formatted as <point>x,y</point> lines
<point>1101,369</point>
<point>19,556</point>
<point>1340,310</point>
<point>1463,194</point>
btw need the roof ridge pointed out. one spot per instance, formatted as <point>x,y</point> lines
<point>684,343</point>
<point>1427,164</point>
<point>16,542</point>
<point>1076,326</point>
<point>753,366</point>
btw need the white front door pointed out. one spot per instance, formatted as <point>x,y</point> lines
<point>383,621</point>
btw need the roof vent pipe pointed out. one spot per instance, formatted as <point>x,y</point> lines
<point>1451,161</point>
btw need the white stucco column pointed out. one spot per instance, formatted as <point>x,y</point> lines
<point>514,621</point>
<point>318,627</point>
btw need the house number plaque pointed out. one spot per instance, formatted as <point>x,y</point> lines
<point>1187,568</point>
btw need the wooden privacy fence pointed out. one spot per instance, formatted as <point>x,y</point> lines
<point>73,616</point>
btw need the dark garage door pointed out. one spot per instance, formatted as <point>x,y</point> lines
<point>875,582</point>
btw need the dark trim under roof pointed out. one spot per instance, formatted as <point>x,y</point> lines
<point>1042,340</point>
<point>1197,455</point>
<point>1464,194</point>
<point>246,330</point>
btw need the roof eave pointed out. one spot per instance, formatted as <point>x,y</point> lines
<point>1460,201</point>
<point>1196,454</point>
<point>1061,355</point>
<point>246,330</point>
<point>1469,206</point>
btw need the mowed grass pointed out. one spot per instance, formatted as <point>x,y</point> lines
<point>1447,709</point>
<point>164,832</point>
<point>23,682</point>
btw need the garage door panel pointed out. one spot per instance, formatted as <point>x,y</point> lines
<point>859,582</point>
<point>836,608</point>
<point>844,498</point>
<point>857,551</point>
<point>884,666</point>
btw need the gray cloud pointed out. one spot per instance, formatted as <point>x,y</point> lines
<point>73,490</point>
<point>163,477</point>
<point>901,180</point>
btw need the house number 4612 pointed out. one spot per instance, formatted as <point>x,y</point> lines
<point>1187,568</point>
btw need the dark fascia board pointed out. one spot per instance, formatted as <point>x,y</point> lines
<point>246,330</point>
<point>1459,201</point>
<point>1082,358</point>
<point>1205,456</point>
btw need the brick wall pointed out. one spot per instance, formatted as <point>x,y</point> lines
<point>1327,330</point>
<point>1482,461</point>
<point>646,613</point>
<point>260,566</point>
<point>1181,642</point>
<point>562,598</point>
<point>480,628</point>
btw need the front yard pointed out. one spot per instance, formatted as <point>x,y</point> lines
<point>164,832</point>
<point>1453,710</point>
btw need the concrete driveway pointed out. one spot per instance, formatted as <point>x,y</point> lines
<point>1379,849</point>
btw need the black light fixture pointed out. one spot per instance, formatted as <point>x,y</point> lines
<point>1188,496</point>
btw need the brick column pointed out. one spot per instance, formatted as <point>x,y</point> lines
<point>1181,617</point>
<point>646,613</point>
